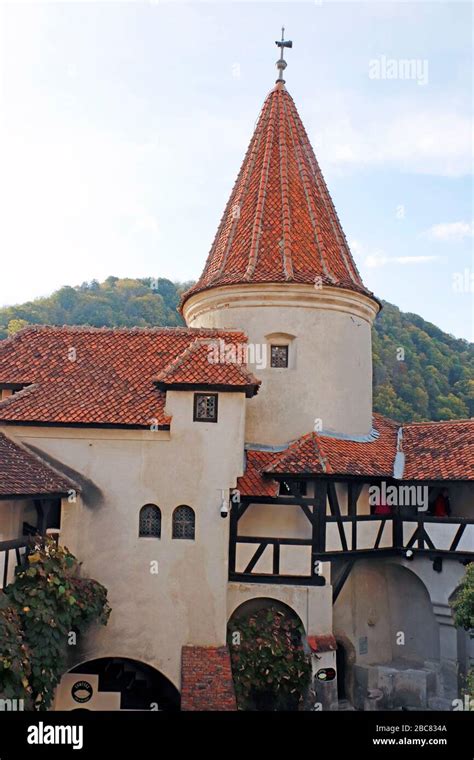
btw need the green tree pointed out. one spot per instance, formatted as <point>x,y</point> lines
<point>463,602</point>
<point>419,372</point>
<point>463,610</point>
<point>15,325</point>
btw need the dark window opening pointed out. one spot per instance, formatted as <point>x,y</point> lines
<point>298,487</point>
<point>279,356</point>
<point>150,522</point>
<point>205,407</point>
<point>184,522</point>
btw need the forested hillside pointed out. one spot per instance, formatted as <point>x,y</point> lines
<point>420,372</point>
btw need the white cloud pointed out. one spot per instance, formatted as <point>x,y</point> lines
<point>452,232</point>
<point>397,135</point>
<point>376,259</point>
<point>379,260</point>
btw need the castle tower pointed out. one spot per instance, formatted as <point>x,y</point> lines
<point>280,268</point>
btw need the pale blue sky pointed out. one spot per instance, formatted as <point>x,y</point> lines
<point>123,126</point>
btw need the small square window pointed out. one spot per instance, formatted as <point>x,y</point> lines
<point>279,356</point>
<point>205,407</point>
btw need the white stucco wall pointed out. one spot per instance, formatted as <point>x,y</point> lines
<point>12,514</point>
<point>11,518</point>
<point>330,369</point>
<point>381,600</point>
<point>153,615</point>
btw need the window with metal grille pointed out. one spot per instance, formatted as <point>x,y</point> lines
<point>205,407</point>
<point>296,487</point>
<point>184,522</point>
<point>150,522</point>
<point>279,356</point>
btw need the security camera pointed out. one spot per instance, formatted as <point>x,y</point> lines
<point>224,508</point>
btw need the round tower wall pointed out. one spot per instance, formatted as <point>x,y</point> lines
<point>327,334</point>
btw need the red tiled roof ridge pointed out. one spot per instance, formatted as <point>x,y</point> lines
<point>312,437</point>
<point>109,380</point>
<point>193,367</point>
<point>181,359</point>
<point>29,388</point>
<point>286,228</point>
<point>126,330</point>
<point>438,422</point>
<point>192,349</point>
<point>323,452</point>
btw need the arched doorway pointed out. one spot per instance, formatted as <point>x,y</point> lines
<point>116,683</point>
<point>390,637</point>
<point>270,660</point>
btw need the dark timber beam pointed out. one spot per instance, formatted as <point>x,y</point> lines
<point>256,557</point>
<point>300,500</point>
<point>354,490</point>
<point>336,512</point>
<point>342,577</point>
<point>42,509</point>
<point>318,539</point>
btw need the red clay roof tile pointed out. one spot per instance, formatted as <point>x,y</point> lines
<point>92,376</point>
<point>199,364</point>
<point>324,455</point>
<point>253,482</point>
<point>433,451</point>
<point>439,450</point>
<point>280,224</point>
<point>23,474</point>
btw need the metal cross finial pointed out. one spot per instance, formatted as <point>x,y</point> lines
<point>281,63</point>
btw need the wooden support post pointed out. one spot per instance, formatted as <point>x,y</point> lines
<point>234,519</point>
<point>276,558</point>
<point>397,530</point>
<point>42,507</point>
<point>5,568</point>
<point>318,541</point>
<point>336,512</point>
<point>353,497</point>
<point>421,541</point>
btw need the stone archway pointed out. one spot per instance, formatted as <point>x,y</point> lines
<point>259,602</point>
<point>386,615</point>
<point>268,614</point>
<point>116,683</point>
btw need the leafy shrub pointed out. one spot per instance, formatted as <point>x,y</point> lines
<point>46,602</point>
<point>269,666</point>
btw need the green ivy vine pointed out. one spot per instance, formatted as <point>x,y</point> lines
<point>269,666</point>
<point>46,602</point>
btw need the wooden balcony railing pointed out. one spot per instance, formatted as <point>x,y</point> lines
<point>396,534</point>
<point>12,553</point>
<point>349,537</point>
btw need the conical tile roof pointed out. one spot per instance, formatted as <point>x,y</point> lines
<point>280,224</point>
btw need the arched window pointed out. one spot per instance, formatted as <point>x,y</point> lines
<point>184,522</point>
<point>150,521</point>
